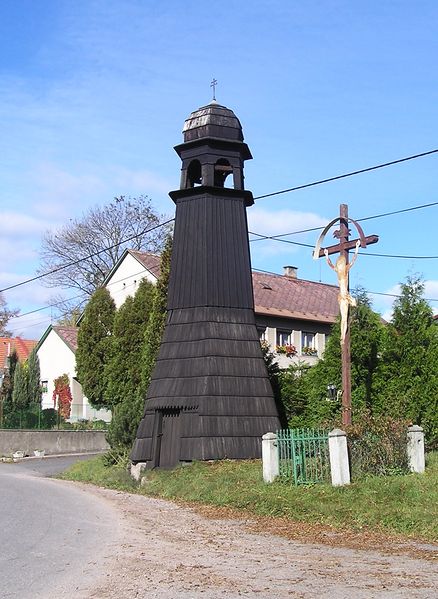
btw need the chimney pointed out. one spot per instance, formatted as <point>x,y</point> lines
<point>290,271</point>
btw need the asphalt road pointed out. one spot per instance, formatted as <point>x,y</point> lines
<point>52,533</point>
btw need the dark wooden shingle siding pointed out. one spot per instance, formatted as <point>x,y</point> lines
<point>210,260</point>
<point>218,382</point>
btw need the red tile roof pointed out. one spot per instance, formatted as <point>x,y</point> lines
<point>69,335</point>
<point>278,295</point>
<point>23,347</point>
<point>149,261</point>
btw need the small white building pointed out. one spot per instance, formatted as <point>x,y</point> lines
<point>56,351</point>
<point>125,277</point>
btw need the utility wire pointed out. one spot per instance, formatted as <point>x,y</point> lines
<point>111,247</point>
<point>70,299</point>
<point>269,272</point>
<point>308,245</point>
<point>320,182</point>
<point>358,220</point>
<point>344,176</point>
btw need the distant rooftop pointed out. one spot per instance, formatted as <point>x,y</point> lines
<point>290,297</point>
<point>69,335</point>
<point>23,347</point>
<point>149,260</point>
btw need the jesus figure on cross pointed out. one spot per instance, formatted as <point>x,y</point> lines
<point>342,268</point>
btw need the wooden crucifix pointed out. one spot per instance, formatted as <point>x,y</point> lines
<point>342,268</point>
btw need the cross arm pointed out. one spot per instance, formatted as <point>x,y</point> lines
<point>348,245</point>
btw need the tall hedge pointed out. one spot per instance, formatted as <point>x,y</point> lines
<point>94,346</point>
<point>20,393</point>
<point>128,412</point>
<point>34,378</point>
<point>155,328</point>
<point>410,360</point>
<point>123,371</point>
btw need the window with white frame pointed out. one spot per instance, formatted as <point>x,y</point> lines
<point>308,343</point>
<point>283,337</point>
<point>44,386</point>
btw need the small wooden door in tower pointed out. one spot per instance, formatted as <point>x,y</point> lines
<point>210,396</point>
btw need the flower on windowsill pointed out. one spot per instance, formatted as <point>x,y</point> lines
<point>288,350</point>
<point>309,351</point>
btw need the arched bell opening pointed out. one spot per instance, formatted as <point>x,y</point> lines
<point>222,169</point>
<point>194,174</point>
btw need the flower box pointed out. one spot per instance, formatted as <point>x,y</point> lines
<point>288,350</point>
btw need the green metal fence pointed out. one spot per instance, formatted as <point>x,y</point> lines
<point>303,455</point>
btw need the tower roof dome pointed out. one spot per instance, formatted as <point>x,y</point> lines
<point>213,120</point>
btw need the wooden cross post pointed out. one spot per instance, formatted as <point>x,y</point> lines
<point>342,268</point>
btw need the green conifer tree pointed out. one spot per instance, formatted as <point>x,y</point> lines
<point>94,345</point>
<point>123,428</point>
<point>34,378</point>
<point>20,393</point>
<point>305,390</point>
<point>409,360</point>
<point>155,328</point>
<point>6,390</point>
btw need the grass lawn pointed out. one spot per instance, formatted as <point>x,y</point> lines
<point>403,505</point>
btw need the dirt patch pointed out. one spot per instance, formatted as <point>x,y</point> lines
<point>178,551</point>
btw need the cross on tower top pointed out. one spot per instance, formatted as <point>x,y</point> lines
<point>213,85</point>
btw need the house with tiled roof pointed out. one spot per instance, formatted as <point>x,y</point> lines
<point>293,316</point>
<point>8,345</point>
<point>56,352</point>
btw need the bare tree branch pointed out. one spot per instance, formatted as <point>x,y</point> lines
<point>5,316</point>
<point>100,227</point>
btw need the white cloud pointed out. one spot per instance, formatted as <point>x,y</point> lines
<point>384,303</point>
<point>58,190</point>
<point>267,222</point>
<point>31,326</point>
<point>16,250</point>
<point>140,181</point>
<point>17,224</point>
<point>431,289</point>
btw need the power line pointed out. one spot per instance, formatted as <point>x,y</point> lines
<point>308,245</point>
<point>399,211</point>
<point>269,272</point>
<point>111,247</point>
<point>70,299</point>
<point>320,182</point>
<point>344,176</point>
<point>421,206</point>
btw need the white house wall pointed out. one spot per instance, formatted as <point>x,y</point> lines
<point>126,279</point>
<point>55,359</point>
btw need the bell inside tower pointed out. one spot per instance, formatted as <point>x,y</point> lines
<point>222,169</point>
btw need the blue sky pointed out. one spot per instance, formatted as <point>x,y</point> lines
<point>94,94</point>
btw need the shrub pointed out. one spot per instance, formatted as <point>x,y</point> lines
<point>378,446</point>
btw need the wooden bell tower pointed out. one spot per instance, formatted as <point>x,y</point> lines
<point>210,396</point>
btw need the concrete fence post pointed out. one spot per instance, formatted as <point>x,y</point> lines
<point>339,463</point>
<point>270,457</point>
<point>416,449</point>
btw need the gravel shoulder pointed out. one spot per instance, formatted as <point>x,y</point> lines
<point>169,550</point>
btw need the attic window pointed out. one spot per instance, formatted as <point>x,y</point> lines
<point>264,285</point>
